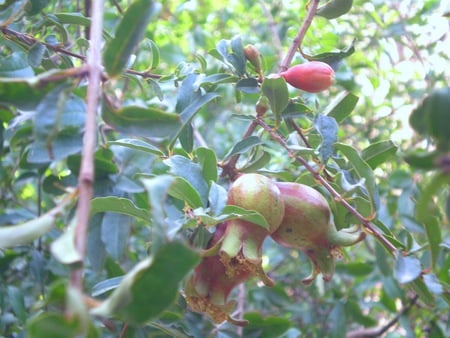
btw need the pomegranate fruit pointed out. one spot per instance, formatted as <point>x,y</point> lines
<point>308,226</point>
<point>240,247</point>
<point>207,290</point>
<point>312,77</point>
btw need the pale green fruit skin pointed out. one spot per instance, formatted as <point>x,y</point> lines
<point>308,226</point>
<point>259,193</point>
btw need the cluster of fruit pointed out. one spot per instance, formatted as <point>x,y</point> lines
<point>298,217</point>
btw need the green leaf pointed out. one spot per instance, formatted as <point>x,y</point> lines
<point>142,121</point>
<point>243,146</point>
<point>337,319</point>
<point>50,324</point>
<point>334,8</point>
<point>137,145</point>
<point>151,286</point>
<point>115,230</point>
<point>57,126</point>
<point>328,129</point>
<point>422,291</point>
<point>248,85</point>
<point>184,191</point>
<point>268,327</point>
<point>27,93</point>
<point>378,153</point>
<point>363,170</point>
<point>15,64</point>
<point>433,284</point>
<point>232,53</point>
<point>422,159</point>
<point>191,172</point>
<point>129,33</point>
<point>342,106</point>
<point>334,58</point>
<point>17,302</point>
<point>119,205</point>
<point>276,91</point>
<point>208,162</point>
<point>257,163</point>
<point>407,268</point>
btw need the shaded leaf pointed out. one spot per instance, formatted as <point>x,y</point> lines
<point>137,144</point>
<point>328,129</point>
<point>248,85</point>
<point>208,161</point>
<point>268,327</point>
<point>276,91</point>
<point>151,286</point>
<point>363,170</point>
<point>191,172</point>
<point>407,268</point>
<point>243,146</point>
<point>142,121</point>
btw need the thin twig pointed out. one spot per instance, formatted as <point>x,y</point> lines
<point>86,176</point>
<point>366,223</point>
<point>296,44</point>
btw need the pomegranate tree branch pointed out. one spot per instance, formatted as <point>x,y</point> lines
<point>296,44</point>
<point>319,178</point>
<point>229,166</point>
<point>86,176</point>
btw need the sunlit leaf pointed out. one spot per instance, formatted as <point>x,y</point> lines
<point>128,34</point>
<point>342,106</point>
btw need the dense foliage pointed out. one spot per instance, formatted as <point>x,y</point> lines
<point>124,123</point>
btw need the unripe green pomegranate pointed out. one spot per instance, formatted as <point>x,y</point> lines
<point>312,77</point>
<point>240,247</point>
<point>308,226</point>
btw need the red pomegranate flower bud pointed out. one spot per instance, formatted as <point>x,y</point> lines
<point>312,77</point>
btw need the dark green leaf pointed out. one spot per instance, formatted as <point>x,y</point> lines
<point>15,64</point>
<point>208,161</point>
<point>276,91</point>
<point>137,144</point>
<point>119,205</point>
<point>334,8</point>
<point>363,170</point>
<point>151,286</point>
<point>268,327</point>
<point>128,35</point>
<point>422,159</point>
<point>342,106</point>
<point>149,122</point>
<point>378,153</point>
<point>248,85</point>
<point>184,191</point>
<point>243,146</point>
<point>115,230</point>
<point>27,93</point>
<point>50,324</point>
<point>328,129</point>
<point>191,172</point>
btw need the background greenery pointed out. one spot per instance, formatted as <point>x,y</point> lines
<point>176,99</point>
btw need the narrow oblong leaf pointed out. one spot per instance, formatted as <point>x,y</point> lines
<point>342,106</point>
<point>208,161</point>
<point>328,129</point>
<point>244,145</point>
<point>184,191</point>
<point>151,286</point>
<point>377,153</point>
<point>119,205</point>
<point>276,91</point>
<point>142,121</point>
<point>137,144</point>
<point>129,33</point>
<point>362,169</point>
